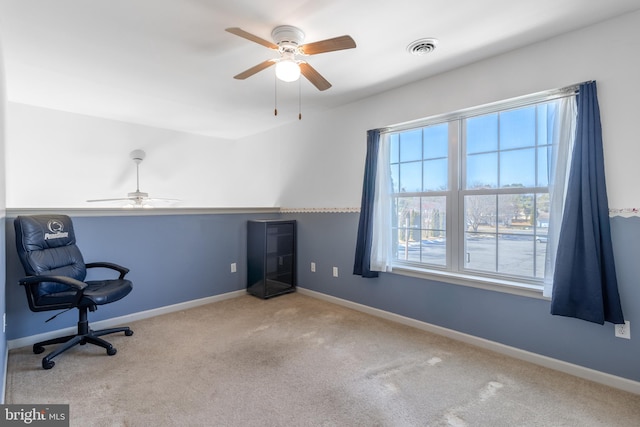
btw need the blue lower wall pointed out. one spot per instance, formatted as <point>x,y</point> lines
<point>172,258</point>
<point>517,321</point>
<point>178,258</point>
<point>3,335</point>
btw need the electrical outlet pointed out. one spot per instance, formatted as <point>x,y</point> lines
<point>623,331</point>
<point>335,271</point>
<point>313,267</point>
<point>233,267</point>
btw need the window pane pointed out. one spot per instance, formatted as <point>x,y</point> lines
<point>542,213</point>
<point>436,141</point>
<point>395,178</point>
<point>411,145</point>
<point>544,164</point>
<point>420,230</point>
<point>433,244</point>
<point>480,213</point>
<point>518,128</point>
<point>517,168</point>
<point>436,175</point>
<point>546,113</point>
<point>516,211</point>
<point>480,232</point>
<point>408,209</point>
<point>515,254</point>
<point>482,170</point>
<point>516,244</point>
<point>542,228</point>
<point>482,133</point>
<point>480,251</point>
<point>410,177</point>
<point>407,225</point>
<point>394,148</point>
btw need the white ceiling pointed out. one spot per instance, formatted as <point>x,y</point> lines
<point>170,64</point>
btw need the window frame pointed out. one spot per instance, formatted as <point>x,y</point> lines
<point>454,271</point>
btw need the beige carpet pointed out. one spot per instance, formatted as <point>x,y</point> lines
<point>297,361</point>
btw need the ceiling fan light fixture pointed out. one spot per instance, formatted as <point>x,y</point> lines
<point>288,70</point>
<point>288,42</point>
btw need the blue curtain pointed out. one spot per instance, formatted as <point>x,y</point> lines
<point>362,263</point>
<point>584,282</point>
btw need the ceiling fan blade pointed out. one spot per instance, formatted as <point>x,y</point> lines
<point>253,70</point>
<point>162,200</point>
<point>245,35</point>
<point>120,199</point>
<point>314,77</point>
<point>329,45</point>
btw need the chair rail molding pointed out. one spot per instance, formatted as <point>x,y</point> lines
<point>320,210</point>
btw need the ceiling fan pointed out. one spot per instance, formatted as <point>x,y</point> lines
<point>136,199</point>
<point>287,40</point>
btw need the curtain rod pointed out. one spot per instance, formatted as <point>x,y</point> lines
<point>519,101</point>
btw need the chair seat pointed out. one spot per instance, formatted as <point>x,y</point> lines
<point>101,292</point>
<point>97,292</point>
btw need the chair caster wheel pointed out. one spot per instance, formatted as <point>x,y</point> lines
<point>111,351</point>
<point>38,350</point>
<point>48,364</point>
<point>128,333</point>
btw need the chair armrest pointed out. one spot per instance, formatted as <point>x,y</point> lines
<point>77,285</point>
<point>71,282</point>
<point>120,269</point>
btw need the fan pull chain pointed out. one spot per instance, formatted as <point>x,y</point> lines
<point>299,99</point>
<point>275,95</point>
<point>275,100</point>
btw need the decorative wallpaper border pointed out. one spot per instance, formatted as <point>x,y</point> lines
<point>320,210</point>
<point>626,212</point>
<point>612,211</point>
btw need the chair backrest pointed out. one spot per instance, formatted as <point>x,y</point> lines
<point>46,245</point>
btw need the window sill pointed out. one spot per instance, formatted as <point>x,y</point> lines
<point>491,284</point>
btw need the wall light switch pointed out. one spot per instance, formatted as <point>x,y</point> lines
<point>233,267</point>
<point>335,271</point>
<point>313,267</point>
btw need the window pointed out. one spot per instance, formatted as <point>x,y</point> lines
<point>471,191</point>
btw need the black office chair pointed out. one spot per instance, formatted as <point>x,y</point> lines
<point>56,280</point>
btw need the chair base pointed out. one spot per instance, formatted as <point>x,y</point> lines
<point>84,336</point>
<point>72,340</point>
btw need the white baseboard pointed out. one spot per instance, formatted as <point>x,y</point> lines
<point>116,321</point>
<point>548,362</point>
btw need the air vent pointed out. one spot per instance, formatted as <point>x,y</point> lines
<point>422,46</point>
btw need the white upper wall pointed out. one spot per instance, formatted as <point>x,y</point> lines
<point>3,109</point>
<point>323,157</point>
<point>3,269</point>
<point>58,159</point>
